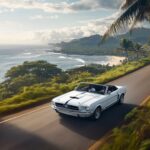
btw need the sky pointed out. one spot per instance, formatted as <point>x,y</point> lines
<point>52,21</point>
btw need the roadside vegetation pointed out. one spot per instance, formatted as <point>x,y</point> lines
<point>38,82</point>
<point>134,134</point>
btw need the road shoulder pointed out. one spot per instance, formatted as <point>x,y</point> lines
<point>103,140</point>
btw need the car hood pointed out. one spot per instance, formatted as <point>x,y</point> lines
<point>77,98</point>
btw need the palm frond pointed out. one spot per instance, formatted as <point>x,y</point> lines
<point>128,3</point>
<point>134,13</point>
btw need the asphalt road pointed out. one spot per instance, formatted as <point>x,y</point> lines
<point>43,129</point>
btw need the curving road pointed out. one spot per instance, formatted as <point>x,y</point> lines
<point>43,129</point>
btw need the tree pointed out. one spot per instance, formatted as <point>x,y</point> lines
<point>27,74</point>
<point>138,49</point>
<point>126,45</point>
<point>136,11</point>
<point>42,69</point>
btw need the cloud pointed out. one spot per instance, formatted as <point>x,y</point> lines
<point>84,29</point>
<point>42,17</point>
<point>61,7</point>
<point>88,28</point>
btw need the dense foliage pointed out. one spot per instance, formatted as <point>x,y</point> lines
<point>93,69</point>
<point>135,134</point>
<point>41,69</point>
<point>37,72</point>
<point>131,49</point>
<point>27,74</point>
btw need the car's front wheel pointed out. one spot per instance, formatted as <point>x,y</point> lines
<point>121,99</point>
<point>97,113</point>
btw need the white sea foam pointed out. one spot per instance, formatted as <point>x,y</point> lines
<point>72,58</point>
<point>62,57</point>
<point>80,60</point>
<point>27,56</point>
<point>79,66</point>
<point>28,53</point>
<point>53,53</point>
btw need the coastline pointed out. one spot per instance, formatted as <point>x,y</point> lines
<point>64,61</point>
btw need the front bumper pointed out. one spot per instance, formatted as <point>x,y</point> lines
<point>72,112</point>
<point>75,114</point>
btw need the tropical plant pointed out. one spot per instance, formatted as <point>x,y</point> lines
<point>138,49</point>
<point>126,45</point>
<point>41,69</point>
<point>136,11</point>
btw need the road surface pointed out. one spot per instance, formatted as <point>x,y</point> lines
<point>43,129</point>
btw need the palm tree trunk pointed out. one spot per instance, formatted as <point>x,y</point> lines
<point>127,55</point>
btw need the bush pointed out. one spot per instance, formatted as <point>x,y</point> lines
<point>135,134</point>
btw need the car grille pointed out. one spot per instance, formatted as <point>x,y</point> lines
<point>67,106</point>
<point>59,105</point>
<point>73,107</point>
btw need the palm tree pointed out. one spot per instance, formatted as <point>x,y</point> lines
<point>135,11</point>
<point>126,45</point>
<point>138,49</point>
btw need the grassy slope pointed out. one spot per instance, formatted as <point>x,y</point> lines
<point>44,92</point>
<point>134,134</point>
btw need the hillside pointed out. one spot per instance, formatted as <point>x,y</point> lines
<point>89,45</point>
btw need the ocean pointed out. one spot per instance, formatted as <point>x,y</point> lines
<point>13,55</point>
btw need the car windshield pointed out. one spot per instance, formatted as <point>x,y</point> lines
<point>92,88</point>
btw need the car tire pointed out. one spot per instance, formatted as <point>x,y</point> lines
<point>97,113</point>
<point>121,99</point>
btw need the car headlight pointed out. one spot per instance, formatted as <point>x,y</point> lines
<point>84,108</point>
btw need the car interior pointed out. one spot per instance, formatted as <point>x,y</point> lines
<point>93,88</point>
<point>111,88</point>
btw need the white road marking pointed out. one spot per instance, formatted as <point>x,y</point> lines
<point>25,114</point>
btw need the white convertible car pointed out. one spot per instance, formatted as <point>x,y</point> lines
<point>88,100</point>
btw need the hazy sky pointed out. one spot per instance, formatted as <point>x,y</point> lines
<point>43,21</point>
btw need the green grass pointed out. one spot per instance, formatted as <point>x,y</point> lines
<point>134,134</point>
<point>42,92</point>
<point>122,70</point>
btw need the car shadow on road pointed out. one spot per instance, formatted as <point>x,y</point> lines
<point>15,138</point>
<point>96,129</point>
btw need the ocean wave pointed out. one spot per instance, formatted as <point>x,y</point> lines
<point>76,66</point>
<point>80,60</point>
<point>27,56</point>
<point>28,53</point>
<point>71,58</point>
<point>63,57</point>
<point>53,53</point>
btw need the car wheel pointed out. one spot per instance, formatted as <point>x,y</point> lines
<point>121,99</point>
<point>97,113</point>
